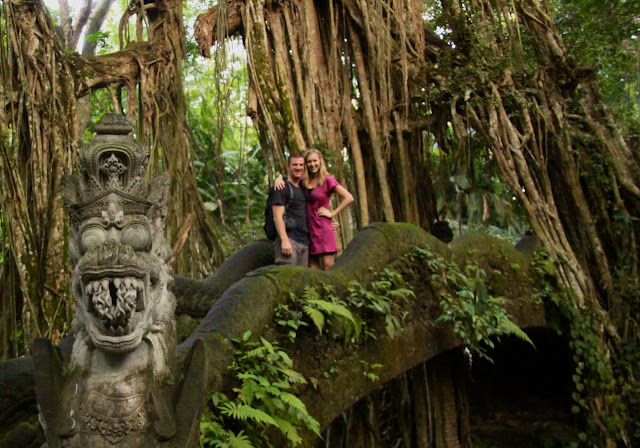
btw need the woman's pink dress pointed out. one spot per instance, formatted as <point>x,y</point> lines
<point>323,239</point>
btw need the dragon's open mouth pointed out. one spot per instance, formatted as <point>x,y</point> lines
<point>114,301</point>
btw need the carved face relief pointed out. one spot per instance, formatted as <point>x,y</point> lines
<point>118,280</point>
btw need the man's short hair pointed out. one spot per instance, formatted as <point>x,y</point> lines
<point>295,155</point>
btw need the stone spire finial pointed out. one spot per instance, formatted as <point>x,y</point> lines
<point>112,170</point>
<point>114,124</point>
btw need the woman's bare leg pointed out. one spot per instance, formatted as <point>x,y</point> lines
<point>314,261</point>
<point>328,260</point>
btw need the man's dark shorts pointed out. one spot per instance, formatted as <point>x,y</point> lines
<point>299,253</point>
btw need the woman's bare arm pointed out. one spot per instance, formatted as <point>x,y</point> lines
<point>279,184</point>
<point>347,198</point>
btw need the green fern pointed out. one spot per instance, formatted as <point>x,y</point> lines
<point>239,441</point>
<point>309,293</point>
<point>215,435</point>
<point>235,441</point>
<point>265,398</point>
<point>293,402</point>
<point>332,308</point>
<point>285,358</point>
<point>242,411</point>
<point>292,375</point>
<point>402,293</point>
<point>315,315</point>
<point>510,328</point>
<point>289,431</point>
<point>256,352</point>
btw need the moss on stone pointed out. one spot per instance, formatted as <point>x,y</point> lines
<point>507,269</point>
<point>185,325</point>
<point>24,434</point>
<point>250,305</point>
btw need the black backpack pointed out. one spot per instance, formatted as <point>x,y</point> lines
<point>269,224</point>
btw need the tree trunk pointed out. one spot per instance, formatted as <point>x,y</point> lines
<point>323,78</point>
<point>163,116</point>
<point>38,142</point>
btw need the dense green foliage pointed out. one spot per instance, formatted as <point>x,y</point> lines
<point>350,316</point>
<point>231,175</point>
<point>593,374</point>
<point>477,317</point>
<point>604,35</point>
<point>265,398</point>
<point>470,192</point>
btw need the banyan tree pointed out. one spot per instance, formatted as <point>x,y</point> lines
<point>376,86</point>
<point>371,77</point>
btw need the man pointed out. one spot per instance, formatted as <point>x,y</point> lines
<point>292,242</point>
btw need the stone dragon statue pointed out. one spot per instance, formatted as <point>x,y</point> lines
<point>121,385</point>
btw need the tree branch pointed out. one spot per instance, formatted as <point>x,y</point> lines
<point>96,20</point>
<point>81,21</point>
<point>94,72</point>
<point>204,30</point>
<point>65,21</point>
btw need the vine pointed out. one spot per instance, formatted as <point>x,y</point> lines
<point>593,376</point>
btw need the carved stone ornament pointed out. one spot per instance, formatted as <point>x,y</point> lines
<point>120,385</point>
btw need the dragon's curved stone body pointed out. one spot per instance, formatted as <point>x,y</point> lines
<point>119,386</point>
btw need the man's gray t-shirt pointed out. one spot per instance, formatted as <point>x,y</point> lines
<point>295,212</point>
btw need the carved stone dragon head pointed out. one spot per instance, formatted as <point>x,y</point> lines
<point>117,244</point>
<point>120,385</point>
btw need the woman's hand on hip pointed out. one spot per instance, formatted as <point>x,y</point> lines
<point>325,212</point>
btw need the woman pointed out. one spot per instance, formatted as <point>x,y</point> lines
<point>318,186</point>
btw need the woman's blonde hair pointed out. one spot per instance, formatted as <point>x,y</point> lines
<point>322,172</point>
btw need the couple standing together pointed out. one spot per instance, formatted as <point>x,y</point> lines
<point>301,214</point>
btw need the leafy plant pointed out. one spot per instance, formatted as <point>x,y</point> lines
<point>319,311</point>
<point>593,374</point>
<point>317,308</point>
<point>231,172</point>
<point>334,369</point>
<point>379,299</point>
<point>322,307</point>
<point>477,317</point>
<point>265,398</point>
<point>368,370</point>
<point>290,318</point>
